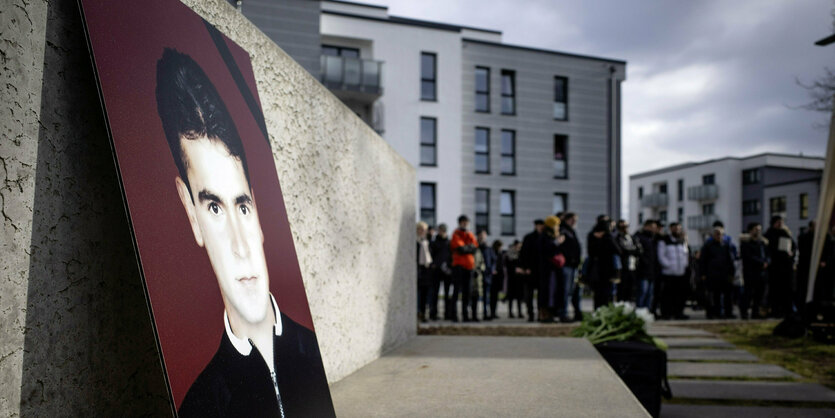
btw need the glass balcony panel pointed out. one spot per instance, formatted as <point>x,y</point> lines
<point>333,69</point>
<point>352,72</point>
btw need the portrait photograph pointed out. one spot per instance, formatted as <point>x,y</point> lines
<point>207,214</point>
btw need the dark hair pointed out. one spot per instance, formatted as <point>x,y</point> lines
<point>497,244</point>
<point>752,225</point>
<point>442,227</point>
<point>559,214</point>
<point>649,222</point>
<point>775,218</point>
<point>190,107</point>
<point>538,222</point>
<point>463,218</point>
<point>567,216</point>
<point>516,241</point>
<point>718,224</point>
<point>672,224</point>
<point>601,218</point>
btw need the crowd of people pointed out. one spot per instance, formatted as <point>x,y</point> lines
<point>654,268</point>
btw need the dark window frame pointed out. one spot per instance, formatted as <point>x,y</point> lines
<point>709,179</point>
<point>479,227</point>
<point>781,205</point>
<point>433,80</point>
<point>711,207</point>
<point>434,143</point>
<point>751,207</point>
<point>662,217</point>
<point>434,207</point>
<point>680,190</point>
<point>804,205</point>
<point>339,50</point>
<point>640,192</point>
<point>477,152</point>
<point>486,92</point>
<point>565,95</point>
<point>565,153</point>
<point>680,215</point>
<point>512,154</point>
<point>512,95</point>
<point>750,176</point>
<point>512,215</point>
<point>564,196</point>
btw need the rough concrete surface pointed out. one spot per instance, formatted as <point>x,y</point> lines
<point>767,391</point>
<point>710,354</point>
<point>76,339</point>
<point>438,376</point>
<point>748,370</point>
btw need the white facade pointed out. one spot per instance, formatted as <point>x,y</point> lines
<point>399,47</point>
<point>780,175</point>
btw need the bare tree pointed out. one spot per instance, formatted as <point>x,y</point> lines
<point>821,92</point>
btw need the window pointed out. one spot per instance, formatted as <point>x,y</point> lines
<point>662,188</point>
<point>640,192</point>
<point>680,215</point>
<point>508,163</point>
<point>751,207</point>
<point>339,51</point>
<point>560,203</point>
<point>707,209</point>
<point>804,206</point>
<point>640,219</point>
<point>708,179</point>
<point>662,217</point>
<point>428,142</point>
<point>427,203</point>
<point>482,210</point>
<point>778,205</point>
<point>482,89</point>
<point>482,150</point>
<point>560,98</point>
<point>680,190</point>
<point>508,92</point>
<point>751,176</point>
<point>428,76</point>
<point>507,207</point>
<point>560,156</point>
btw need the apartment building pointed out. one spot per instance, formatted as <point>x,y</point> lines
<point>503,133</point>
<point>733,190</point>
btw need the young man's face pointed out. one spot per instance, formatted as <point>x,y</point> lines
<point>225,222</point>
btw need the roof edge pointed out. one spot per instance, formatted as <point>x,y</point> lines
<point>547,51</point>
<point>713,160</point>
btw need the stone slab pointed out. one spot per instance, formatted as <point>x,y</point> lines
<point>710,354</point>
<point>766,391</point>
<point>680,342</point>
<point>668,331</point>
<point>453,376</point>
<point>716,411</point>
<point>752,370</point>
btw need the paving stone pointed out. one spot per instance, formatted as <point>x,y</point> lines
<point>668,331</point>
<point>752,370</point>
<point>767,391</point>
<point>679,342</point>
<point>437,376</point>
<point>709,354</point>
<point>716,411</point>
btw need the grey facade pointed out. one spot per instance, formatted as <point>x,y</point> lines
<point>292,24</point>
<point>783,182</point>
<point>592,128</point>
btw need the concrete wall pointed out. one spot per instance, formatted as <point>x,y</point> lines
<point>589,148</point>
<point>399,47</point>
<point>76,338</point>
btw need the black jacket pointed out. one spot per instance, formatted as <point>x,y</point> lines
<point>571,248</point>
<point>235,385</point>
<point>441,253</point>
<point>717,261</point>
<point>530,252</point>
<point>602,253</point>
<point>754,255</point>
<point>648,255</point>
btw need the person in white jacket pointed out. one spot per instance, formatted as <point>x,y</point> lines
<point>674,259</point>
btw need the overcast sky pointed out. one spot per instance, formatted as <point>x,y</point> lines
<point>705,79</point>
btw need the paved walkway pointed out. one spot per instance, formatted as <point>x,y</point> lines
<point>710,377</point>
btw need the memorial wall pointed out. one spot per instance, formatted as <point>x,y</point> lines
<point>76,337</point>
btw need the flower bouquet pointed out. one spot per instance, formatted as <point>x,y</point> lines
<point>620,321</point>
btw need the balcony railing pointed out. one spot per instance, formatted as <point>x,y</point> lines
<point>701,222</point>
<point>654,200</point>
<point>357,75</point>
<point>703,192</point>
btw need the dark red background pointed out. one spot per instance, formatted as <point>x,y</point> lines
<point>127,39</point>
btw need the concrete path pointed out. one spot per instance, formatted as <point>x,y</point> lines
<point>717,380</point>
<point>445,376</point>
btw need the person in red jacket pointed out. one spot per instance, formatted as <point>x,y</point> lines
<point>463,245</point>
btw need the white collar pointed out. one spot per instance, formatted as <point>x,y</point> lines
<point>243,346</point>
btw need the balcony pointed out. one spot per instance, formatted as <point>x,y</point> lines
<point>654,200</point>
<point>701,222</point>
<point>352,79</point>
<point>703,192</point>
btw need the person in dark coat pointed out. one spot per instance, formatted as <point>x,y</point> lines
<point>629,254</point>
<point>489,257</point>
<point>573,251</point>
<point>441,274</point>
<point>529,264</point>
<point>804,260</point>
<point>550,274</point>
<point>782,249</point>
<point>717,269</point>
<point>515,287</point>
<point>755,260</point>
<point>424,264</point>
<point>647,263</point>
<point>602,251</point>
<point>499,278</point>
